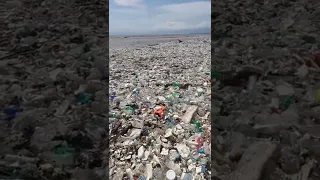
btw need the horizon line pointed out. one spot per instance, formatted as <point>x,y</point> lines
<point>160,34</point>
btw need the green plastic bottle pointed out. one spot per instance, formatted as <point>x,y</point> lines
<point>176,94</point>
<point>198,124</point>
<point>129,109</point>
<point>286,102</point>
<point>176,84</point>
<point>193,121</point>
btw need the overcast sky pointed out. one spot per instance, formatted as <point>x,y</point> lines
<point>156,16</point>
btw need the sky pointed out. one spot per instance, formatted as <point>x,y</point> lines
<point>131,17</point>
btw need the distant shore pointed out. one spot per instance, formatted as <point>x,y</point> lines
<point>120,42</point>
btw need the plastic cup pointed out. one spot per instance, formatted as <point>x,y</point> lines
<point>171,175</point>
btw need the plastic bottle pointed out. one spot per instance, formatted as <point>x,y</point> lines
<point>171,122</point>
<point>186,176</point>
<point>286,102</point>
<point>203,169</point>
<point>176,84</point>
<point>200,143</point>
<point>142,177</point>
<point>176,94</point>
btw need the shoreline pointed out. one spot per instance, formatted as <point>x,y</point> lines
<point>132,42</point>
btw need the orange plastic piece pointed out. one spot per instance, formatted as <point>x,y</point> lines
<point>160,112</point>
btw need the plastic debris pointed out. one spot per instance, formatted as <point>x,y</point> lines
<point>265,98</point>
<point>11,111</point>
<point>170,175</point>
<point>84,98</point>
<point>158,95</point>
<point>160,111</point>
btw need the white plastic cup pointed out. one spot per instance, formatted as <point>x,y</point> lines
<point>171,175</point>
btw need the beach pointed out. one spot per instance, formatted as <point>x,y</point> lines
<point>161,107</point>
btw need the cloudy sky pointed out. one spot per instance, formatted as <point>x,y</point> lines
<point>129,17</point>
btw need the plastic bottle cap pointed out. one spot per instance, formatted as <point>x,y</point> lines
<point>171,175</point>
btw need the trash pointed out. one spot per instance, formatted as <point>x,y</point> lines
<point>136,91</point>
<point>140,152</point>
<point>150,129</point>
<point>149,171</point>
<point>142,177</point>
<point>285,89</point>
<point>129,173</point>
<point>63,156</point>
<point>203,169</point>
<point>283,96</point>
<point>176,84</point>
<point>170,175</point>
<point>186,176</point>
<point>50,91</point>
<point>189,114</point>
<point>160,112</point>
<point>171,122</point>
<point>11,111</point>
<point>112,97</point>
<point>183,150</point>
<point>198,125</point>
<point>286,102</point>
<point>84,98</point>
<point>200,143</point>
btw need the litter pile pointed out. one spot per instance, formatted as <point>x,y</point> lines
<point>53,96</point>
<point>266,81</point>
<point>160,111</point>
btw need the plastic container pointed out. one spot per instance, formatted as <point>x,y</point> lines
<point>170,175</point>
